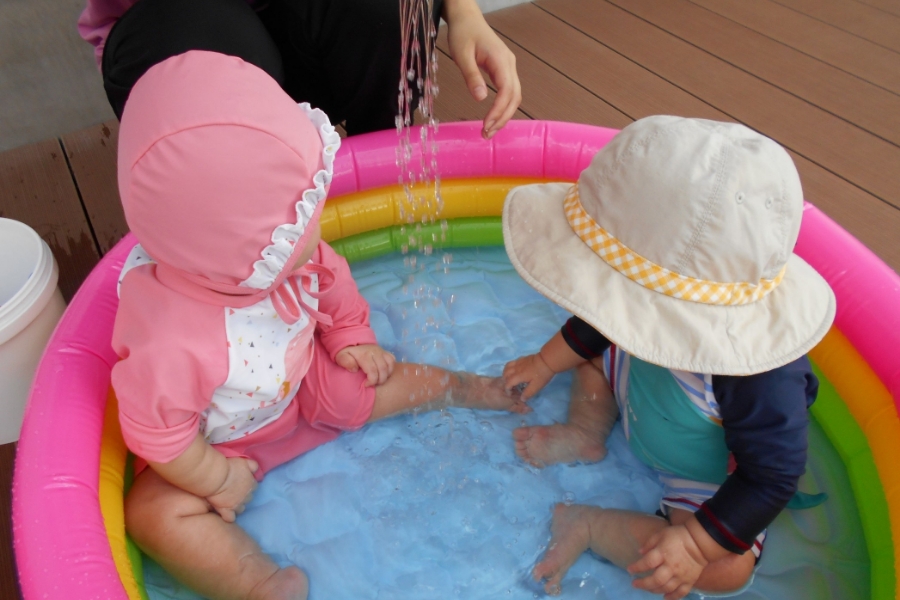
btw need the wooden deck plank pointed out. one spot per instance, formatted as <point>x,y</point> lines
<point>871,220</point>
<point>630,89</point>
<point>9,589</point>
<point>37,189</point>
<point>549,95</point>
<point>870,107</point>
<point>853,54</point>
<point>92,157</point>
<point>874,223</point>
<point>856,155</point>
<point>891,6</point>
<point>860,19</point>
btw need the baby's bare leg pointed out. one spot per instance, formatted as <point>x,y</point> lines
<point>592,414</point>
<point>616,535</point>
<point>214,558</point>
<point>422,386</point>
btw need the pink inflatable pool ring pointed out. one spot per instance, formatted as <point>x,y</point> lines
<point>68,532</point>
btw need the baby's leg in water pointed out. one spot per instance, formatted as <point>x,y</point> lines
<point>592,414</point>
<point>616,535</point>
<point>214,558</point>
<point>422,386</point>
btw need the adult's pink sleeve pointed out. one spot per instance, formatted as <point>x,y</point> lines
<point>97,19</point>
<point>173,355</point>
<point>344,304</point>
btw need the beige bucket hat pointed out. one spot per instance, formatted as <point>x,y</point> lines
<point>677,245</point>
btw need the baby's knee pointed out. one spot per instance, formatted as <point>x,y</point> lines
<point>153,505</point>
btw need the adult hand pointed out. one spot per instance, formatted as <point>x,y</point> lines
<point>376,362</point>
<point>475,46</point>
<point>674,561</point>
<point>237,489</point>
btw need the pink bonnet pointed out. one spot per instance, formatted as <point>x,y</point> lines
<point>221,173</point>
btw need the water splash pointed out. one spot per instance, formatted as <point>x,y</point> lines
<point>422,202</point>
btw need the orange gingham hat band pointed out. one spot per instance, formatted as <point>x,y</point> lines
<point>652,276</point>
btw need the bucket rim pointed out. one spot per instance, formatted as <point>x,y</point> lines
<point>31,298</point>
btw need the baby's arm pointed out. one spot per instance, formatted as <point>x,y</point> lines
<point>344,304</point>
<point>350,340</point>
<point>675,557</point>
<point>765,422</point>
<point>536,370</point>
<point>474,46</point>
<point>226,483</point>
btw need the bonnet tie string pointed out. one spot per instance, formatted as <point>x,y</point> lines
<point>288,300</point>
<point>286,293</point>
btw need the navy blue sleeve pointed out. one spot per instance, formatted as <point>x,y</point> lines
<point>765,417</point>
<point>587,342</point>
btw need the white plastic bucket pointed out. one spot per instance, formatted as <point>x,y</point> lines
<point>30,307</point>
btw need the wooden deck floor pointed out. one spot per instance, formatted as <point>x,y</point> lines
<point>822,77</point>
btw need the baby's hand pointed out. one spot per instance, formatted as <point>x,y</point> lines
<point>675,560</point>
<point>530,370</point>
<point>376,362</point>
<point>237,489</point>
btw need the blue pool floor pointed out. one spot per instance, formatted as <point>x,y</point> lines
<point>437,505</point>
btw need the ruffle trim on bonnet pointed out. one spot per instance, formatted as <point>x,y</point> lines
<point>285,237</point>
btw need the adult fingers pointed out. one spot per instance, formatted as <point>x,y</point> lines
<point>467,65</point>
<point>502,70</point>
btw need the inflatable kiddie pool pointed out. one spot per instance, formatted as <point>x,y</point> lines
<point>71,471</point>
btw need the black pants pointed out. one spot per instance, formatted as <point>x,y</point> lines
<point>342,56</point>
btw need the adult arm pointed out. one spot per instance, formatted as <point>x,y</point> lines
<point>475,46</point>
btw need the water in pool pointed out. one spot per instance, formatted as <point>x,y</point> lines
<point>436,505</point>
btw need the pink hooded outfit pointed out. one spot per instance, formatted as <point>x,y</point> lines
<point>222,177</point>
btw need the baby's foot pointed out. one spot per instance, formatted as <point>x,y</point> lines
<point>475,391</point>
<point>570,537</point>
<point>560,443</point>
<point>285,584</point>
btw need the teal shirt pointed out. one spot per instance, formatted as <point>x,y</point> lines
<point>671,434</point>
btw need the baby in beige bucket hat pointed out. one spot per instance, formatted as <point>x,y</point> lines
<point>692,321</point>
